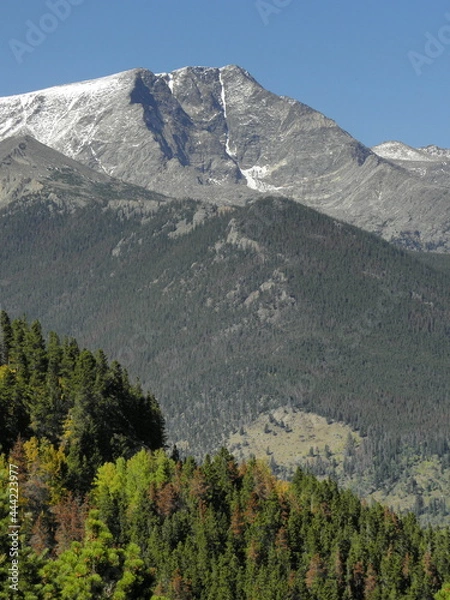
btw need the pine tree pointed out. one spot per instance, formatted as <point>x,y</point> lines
<point>95,568</point>
<point>6,339</point>
<point>443,593</point>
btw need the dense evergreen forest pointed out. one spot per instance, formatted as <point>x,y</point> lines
<point>229,312</point>
<point>244,311</point>
<point>73,399</point>
<point>105,512</point>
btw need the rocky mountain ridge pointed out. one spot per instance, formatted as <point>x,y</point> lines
<point>31,172</point>
<point>430,163</point>
<point>215,134</point>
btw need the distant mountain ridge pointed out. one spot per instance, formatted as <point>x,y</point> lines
<point>32,172</point>
<point>30,169</point>
<point>215,134</point>
<point>395,150</point>
<point>430,163</point>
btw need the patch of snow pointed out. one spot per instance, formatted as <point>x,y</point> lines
<point>254,177</point>
<point>59,101</point>
<point>90,86</point>
<point>421,171</point>
<point>98,161</point>
<point>170,82</point>
<point>231,153</point>
<point>68,118</point>
<point>400,151</point>
<point>214,181</point>
<point>222,95</point>
<point>168,77</point>
<point>228,150</point>
<point>436,151</point>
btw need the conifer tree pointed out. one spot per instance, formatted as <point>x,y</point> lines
<point>6,337</point>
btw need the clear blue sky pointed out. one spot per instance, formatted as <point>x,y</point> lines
<point>347,59</point>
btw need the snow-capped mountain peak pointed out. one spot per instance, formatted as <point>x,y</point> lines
<point>216,134</point>
<point>436,152</point>
<point>399,151</point>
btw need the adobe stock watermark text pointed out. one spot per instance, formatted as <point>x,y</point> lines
<point>36,32</point>
<point>13,528</point>
<point>433,48</point>
<point>267,8</point>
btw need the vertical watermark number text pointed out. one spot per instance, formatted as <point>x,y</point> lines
<point>13,527</point>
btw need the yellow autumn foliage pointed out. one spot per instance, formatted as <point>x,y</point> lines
<point>46,462</point>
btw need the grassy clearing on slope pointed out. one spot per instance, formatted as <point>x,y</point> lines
<point>290,437</point>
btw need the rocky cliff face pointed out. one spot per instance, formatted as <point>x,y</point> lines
<point>217,135</point>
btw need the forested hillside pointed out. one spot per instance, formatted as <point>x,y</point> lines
<point>104,512</point>
<point>81,408</point>
<point>226,313</point>
<point>155,528</point>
